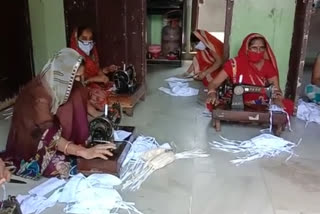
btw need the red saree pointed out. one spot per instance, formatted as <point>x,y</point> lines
<point>98,93</point>
<point>204,58</point>
<point>240,65</point>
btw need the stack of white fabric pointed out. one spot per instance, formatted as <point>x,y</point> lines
<point>264,145</point>
<point>179,87</point>
<point>309,112</point>
<point>96,194</point>
<point>91,195</point>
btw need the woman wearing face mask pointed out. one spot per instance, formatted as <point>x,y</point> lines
<point>254,65</point>
<point>50,122</point>
<point>208,59</point>
<point>95,78</point>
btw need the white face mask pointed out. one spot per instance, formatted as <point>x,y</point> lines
<point>85,46</point>
<point>200,46</point>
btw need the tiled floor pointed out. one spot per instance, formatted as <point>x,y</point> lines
<point>213,185</point>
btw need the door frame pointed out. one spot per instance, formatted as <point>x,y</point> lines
<point>298,49</point>
<point>227,29</point>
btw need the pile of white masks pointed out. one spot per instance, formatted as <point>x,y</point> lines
<point>147,156</point>
<point>179,87</point>
<point>91,195</point>
<point>262,146</point>
<point>309,112</point>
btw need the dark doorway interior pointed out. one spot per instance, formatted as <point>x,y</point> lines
<point>17,58</point>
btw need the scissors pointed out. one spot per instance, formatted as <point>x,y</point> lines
<point>16,181</point>
<point>12,168</point>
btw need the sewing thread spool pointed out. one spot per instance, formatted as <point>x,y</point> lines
<point>105,110</point>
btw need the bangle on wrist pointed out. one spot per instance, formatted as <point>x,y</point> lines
<point>65,151</point>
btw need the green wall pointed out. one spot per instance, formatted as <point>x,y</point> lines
<point>47,28</point>
<point>273,19</point>
<point>155,25</point>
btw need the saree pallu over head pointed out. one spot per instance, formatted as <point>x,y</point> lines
<point>204,58</point>
<point>92,61</point>
<point>47,108</point>
<point>241,65</point>
<point>59,74</point>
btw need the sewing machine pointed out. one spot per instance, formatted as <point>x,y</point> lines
<point>240,90</point>
<point>233,109</point>
<point>10,206</point>
<point>102,131</point>
<point>125,79</point>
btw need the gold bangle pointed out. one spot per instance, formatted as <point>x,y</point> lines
<point>65,151</point>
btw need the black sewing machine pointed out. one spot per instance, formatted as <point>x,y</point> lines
<point>238,91</point>
<point>233,108</point>
<point>125,79</point>
<point>102,128</point>
<point>102,131</point>
<point>10,206</point>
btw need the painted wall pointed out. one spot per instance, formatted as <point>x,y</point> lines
<point>274,19</point>
<point>155,25</point>
<point>212,15</point>
<point>47,28</point>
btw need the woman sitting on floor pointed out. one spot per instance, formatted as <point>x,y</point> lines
<point>313,90</point>
<point>50,122</point>
<point>95,78</point>
<point>255,65</point>
<point>208,59</point>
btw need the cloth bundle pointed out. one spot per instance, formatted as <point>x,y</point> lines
<point>313,93</point>
<point>179,87</point>
<point>264,145</point>
<point>309,112</point>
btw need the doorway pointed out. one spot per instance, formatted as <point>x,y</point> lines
<point>17,58</point>
<point>214,16</point>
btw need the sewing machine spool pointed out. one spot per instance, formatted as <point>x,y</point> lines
<point>125,80</point>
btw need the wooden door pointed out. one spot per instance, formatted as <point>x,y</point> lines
<point>121,34</point>
<point>298,49</point>
<point>79,13</point>
<point>119,26</point>
<point>16,46</point>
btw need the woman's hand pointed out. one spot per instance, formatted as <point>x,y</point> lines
<point>111,68</point>
<point>99,151</point>
<point>4,173</point>
<point>200,76</point>
<point>212,97</point>
<point>98,79</point>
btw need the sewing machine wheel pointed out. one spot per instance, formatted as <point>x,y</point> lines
<point>238,90</point>
<point>101,130</point>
